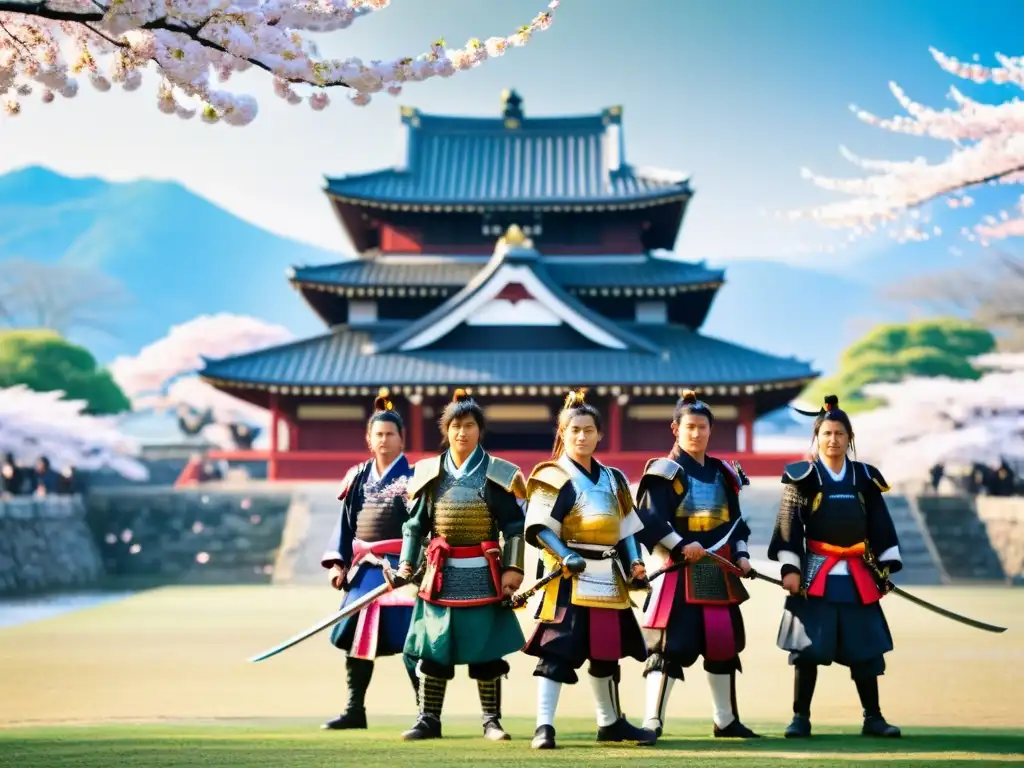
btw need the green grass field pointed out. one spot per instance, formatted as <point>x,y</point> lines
<point>161,679</point>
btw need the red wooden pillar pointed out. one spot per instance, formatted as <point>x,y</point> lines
<point>615,426</point>
<point>275,423</point>
<point>416,423</point>
<point>747,424</point>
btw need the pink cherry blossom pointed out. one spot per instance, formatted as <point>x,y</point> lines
<point>987,147</point>
<point>191,43</point>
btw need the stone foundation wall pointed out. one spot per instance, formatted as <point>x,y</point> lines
<point>46,545</point>
<point>180,536</point>
<point>1004,521</point>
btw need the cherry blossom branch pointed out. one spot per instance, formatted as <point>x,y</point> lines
<point>190,40</point>
<point>988,148</point>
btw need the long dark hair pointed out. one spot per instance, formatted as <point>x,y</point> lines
<point>461,405</point>
<point>575,405</point>
<point>384,410</point>
<point>831,411</point>
<point>689,405</point>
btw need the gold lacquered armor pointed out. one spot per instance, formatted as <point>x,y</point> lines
<point>594,519</point>
<point>460,510</point>
<point>705,506</point>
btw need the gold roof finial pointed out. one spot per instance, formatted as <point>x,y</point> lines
<point>514,236</point>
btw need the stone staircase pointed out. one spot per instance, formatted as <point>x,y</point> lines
<point>960,538</point>
<point>311,518</point>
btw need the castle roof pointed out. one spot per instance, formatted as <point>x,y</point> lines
<point>513,161</point>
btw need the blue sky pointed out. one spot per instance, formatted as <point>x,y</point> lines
<point>740,93</point>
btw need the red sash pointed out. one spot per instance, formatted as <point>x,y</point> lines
<point>853,556</point>
<point>440,551</point>
<point>361,549</point>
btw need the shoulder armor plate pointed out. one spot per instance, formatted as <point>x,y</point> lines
<point>798,472</point>
<point>507,475</point>
<point>732,476</point>
<point>423,472</point>
<point>549,473</point>
<point>350,477</point>
<point>876,476</point>
<point>623,490</point>
<point>665,468</point>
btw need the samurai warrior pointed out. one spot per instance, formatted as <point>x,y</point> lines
<point>832,521</point>
<point>580,514</point>
<point>689,505</point>
<point>366,538</point>
<point>461,501</point>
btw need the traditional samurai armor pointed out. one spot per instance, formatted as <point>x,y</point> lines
<point>458,617</point>
<point>584,521</point>
<point>694,610</point>
<point>368,536</point>
<point>825,522</point>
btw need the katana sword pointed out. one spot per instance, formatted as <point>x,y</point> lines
<point>349,610</point>
<point>887,586</point>
<point>671,566</point>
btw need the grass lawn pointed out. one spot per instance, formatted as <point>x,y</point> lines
<point>161,679</point>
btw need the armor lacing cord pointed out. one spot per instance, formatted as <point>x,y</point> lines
<point>432,690</point>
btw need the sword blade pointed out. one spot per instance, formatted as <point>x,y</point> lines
<point>320,626</point>
<point>947,613</point>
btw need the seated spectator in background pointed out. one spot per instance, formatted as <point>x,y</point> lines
<point>44,482</point>
<point>12,477</point>
<point>1004,480</point>
<point>69,482</point>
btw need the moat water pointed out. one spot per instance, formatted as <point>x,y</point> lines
<point>17,611</point>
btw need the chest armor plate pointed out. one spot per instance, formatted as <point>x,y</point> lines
<point>460,509</point>
<point>595,517</point>
<point>840,518</point>
<point>383,511</point>
<point>704,506</point>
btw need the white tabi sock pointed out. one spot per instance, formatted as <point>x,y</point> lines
<point>721,696</point>
<point>547,701</point>
<point>605,700</point>
<point>657,701</point>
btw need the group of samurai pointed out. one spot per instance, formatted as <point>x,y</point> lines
<point>449,535</point>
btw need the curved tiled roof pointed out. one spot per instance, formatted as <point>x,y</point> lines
<point>547,161</point>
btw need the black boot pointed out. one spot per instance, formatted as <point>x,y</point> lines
<point>735,729</point>
<point>428,724</point>
<point>804,679</point>
<point>544,737</point>
<point>358,673</point>
<point>874,723</point>
<point>621,730</point>
<point>490,705</point>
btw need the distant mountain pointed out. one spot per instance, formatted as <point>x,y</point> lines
<point>178,254</point>
<point>795,311</point>
<point>181,256</point>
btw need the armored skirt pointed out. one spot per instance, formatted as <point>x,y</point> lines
<point>694,612</point>
<point>575,633</point>
<point>380,629</point>
<point>462,622</point>
<point>837,627</point>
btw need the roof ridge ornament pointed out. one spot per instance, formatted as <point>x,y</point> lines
<point>514,236</point>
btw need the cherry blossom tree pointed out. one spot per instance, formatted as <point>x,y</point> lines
<point>987,147</point>
<point>37,424</point>
<point>162,377</point>
<point>193,42</point>
<point>928,421</point>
